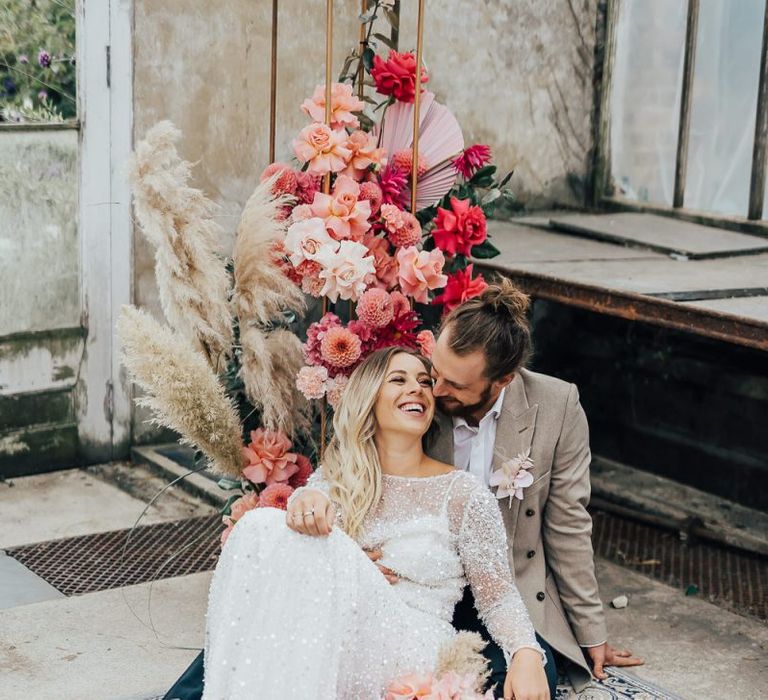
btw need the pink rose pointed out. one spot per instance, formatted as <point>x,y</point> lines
<point>344,214</point>
<point>305,239</point>
<point>345,271</point>
<point>343,103</point>
<point>409,686</point>
<point>323,148</point>
<point>426,342</point>
<point>459,228</point>
<point>385,276</point>
<point>397,75</point>
<point>364,154</point>
<point>420,271</point>
<point>267,459</point>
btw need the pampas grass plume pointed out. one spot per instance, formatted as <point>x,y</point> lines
<point>463,655</point>
<point>262,291</point>
<point>181,389</point>
<point>178,221</point>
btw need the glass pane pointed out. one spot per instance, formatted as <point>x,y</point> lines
<point>724,102</point>
<point>37,61</point>
<point>39,251</point>
<point>645,100</point>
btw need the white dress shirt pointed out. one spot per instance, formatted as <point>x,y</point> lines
<point>473,445</point>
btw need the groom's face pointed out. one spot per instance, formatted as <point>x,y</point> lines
<point>461,387</point>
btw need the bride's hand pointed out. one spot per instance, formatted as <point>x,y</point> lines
<point>311,513</point>
<point>526,679</point>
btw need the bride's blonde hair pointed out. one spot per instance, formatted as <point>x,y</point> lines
<point>351,463</point>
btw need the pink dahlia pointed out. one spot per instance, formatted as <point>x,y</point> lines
<point>340,347</point>
<point>472,159</point>
<point>426,342</point>
<point>372,192</point>
<point>315,335</point>
<point>403,228</point>
<point>375,308</point>
<point>287,181</point>
<point>311,380</point>
<point>403,161</point>
<point>267,459</point>
<point>306,186</point>
<point>275,496</point>
<point>301,477</point>
<point>392,182</point>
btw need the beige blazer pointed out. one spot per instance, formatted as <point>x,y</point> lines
<point>549,530</point>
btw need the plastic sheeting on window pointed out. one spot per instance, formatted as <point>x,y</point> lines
<point>645,104</point>
<point>724,102</point>
<point>645,99</point>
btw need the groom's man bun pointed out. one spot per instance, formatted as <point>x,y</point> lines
<point>495,322</point>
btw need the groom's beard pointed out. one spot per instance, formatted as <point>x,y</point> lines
<point>451,407</point>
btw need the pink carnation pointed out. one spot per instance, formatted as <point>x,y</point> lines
<point>287,181</point>
<point>420,271</point>
<point>311,380</point>
<point>371,192</point>
<point>340,347</point>
<point>375,308</point>
<point>336,387</point>
<point>400,304</point>
<point>426,342</point>
<point>301,477</point>
<point>306,186</point>
<point>267,459</point>
<point>343,103</point>
<point>275,496</point>
<point>237,510</point>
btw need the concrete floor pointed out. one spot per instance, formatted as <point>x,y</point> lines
<point>101,646</point>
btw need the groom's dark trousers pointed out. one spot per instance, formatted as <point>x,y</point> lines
<point>465,618</point>
<point>190,685</point>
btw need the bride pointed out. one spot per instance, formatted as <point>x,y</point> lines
<point>297,609</point>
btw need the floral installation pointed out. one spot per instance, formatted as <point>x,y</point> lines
<point>513,477</point>
<point>356,243</point>
<point>448,686</point>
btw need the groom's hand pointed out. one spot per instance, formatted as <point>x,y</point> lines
<point>374,555</point>
<point>606,655</point>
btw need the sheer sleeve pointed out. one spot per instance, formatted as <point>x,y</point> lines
<point>483,550</point>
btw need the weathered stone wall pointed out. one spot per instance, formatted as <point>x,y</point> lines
<point>517,75</point>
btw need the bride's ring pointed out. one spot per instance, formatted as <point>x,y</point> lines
<point>309,512</point>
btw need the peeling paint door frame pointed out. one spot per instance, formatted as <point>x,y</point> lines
<point>105,93</point>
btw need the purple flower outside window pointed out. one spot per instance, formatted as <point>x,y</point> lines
<point>44,58</point>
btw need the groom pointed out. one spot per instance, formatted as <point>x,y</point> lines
<point>495,414</point>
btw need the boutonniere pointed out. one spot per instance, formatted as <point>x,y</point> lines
<point>513,476</point>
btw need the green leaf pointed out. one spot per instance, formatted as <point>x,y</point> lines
<point>226,509</point>
<point>483,177</point>
<point>392,17</point>
<point>368,55</point>
<point>429,244</point>
<point>491,196</point>
<point>426,215</point>
<point>384,40</point>
<point>228,484</point>
<point>506,179</point>
<point>485,250</point>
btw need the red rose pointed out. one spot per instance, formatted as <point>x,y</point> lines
<point>459,228</point>
<point>459,288</point>
<point>397,75</point>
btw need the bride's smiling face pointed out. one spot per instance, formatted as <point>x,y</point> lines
<point>405,403</point>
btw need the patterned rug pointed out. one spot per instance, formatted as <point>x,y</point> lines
<point>620,685</point>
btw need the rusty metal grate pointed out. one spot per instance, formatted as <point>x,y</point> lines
<point>96,562</point>
<point>727,577</point>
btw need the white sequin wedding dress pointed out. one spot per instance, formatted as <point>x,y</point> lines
<point>294,616</point>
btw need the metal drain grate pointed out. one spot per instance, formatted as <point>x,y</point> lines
<point>727,577</point>
<point>90,563</point>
